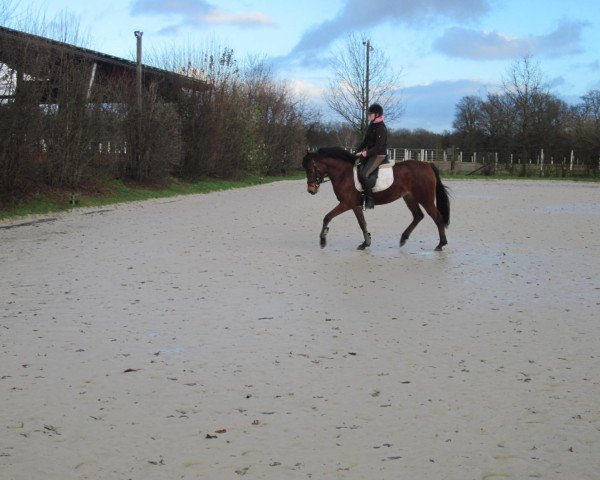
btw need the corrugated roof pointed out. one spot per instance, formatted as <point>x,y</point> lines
<point>12,42</point>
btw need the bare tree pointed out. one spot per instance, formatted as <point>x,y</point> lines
<point>522,118</point>
<point>497,121</point>
<point>243,122</point>
<point>353,85</point>
<point>586,126</point>
<point>7,11</point>
<point>589,112</point>
<point>276,119</point>
<point>212,119</point>
<point>524,89</point>
<point>469,122</point>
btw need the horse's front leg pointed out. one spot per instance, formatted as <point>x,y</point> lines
<point>360,216</point>
<point>341,208</point>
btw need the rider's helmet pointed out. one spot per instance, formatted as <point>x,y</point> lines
<point>376,109</point>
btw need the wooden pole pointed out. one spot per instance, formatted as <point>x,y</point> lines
<point>572,158</point>
<point>91,82</point>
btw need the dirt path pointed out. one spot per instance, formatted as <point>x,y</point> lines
<point>210,337</point>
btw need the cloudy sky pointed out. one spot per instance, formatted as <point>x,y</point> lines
<point>443,49</point>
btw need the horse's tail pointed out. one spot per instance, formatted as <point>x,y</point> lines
<point>442,197</point>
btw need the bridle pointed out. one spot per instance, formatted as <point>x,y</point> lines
<point>319,177</point>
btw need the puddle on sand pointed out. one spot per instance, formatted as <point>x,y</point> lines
<point>172,350</point>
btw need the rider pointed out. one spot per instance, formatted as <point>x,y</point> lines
<point>373,150</point>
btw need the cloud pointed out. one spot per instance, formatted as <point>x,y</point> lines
<point>583,70</point>
<point>242,19</point>
<point>433,106</point>
<point>360,15</point>
<point>479,45</point>
<point>166,7</point>
<point>306,89</point>
<point>556,82</point>
<point>193,13</point>
<point>594,66</point>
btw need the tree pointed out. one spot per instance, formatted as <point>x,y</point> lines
<point>469,122</point>
<point>277,119</point>
<point>348,94</point>
<point>243,122</point>
<point>591,107</point>
<point>586,126</point>
<point>524,90</point>
<point>7,11</point>
<point>46,117</point>
<point>522,118</point>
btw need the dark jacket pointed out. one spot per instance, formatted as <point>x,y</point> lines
<point>375,141</point>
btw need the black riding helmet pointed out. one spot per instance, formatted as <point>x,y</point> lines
<point>376,109</point>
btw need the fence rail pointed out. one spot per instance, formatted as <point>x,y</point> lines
<point>457,160</point>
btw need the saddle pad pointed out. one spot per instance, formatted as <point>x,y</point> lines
<point>385,178</point>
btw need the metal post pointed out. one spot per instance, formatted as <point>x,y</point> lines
<point>138,36</point>
<point>137,147</point>
<point>367,44</point>
<point>367,76</point>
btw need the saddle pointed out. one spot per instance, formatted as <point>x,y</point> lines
<point>384,175</point>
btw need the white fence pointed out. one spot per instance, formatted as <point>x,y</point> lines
<point>572,161</point>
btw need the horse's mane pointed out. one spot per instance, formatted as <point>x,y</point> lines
<point>337,152</point>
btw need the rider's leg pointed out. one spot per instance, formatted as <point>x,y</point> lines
<point>370,166</point>
<point>366,184</point>
<point>373,164</point>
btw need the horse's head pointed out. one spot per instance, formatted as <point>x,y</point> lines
<point>314,177</point>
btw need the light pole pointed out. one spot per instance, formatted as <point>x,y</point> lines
<point>138,145</point>
<point>368,46</point>
<point>138,36</point>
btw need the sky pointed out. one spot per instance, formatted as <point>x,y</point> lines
<point>442,50</point>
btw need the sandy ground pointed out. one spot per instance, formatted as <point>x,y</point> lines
<point>210,337</point>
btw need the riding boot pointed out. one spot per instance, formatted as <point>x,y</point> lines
<point>369,201</point>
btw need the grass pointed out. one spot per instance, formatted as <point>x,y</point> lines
<point>116,191</point>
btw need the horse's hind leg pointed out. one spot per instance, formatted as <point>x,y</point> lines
<point>360,216</point>
<point>413,206</point>
<point>341,208</point>
<point>435,214</point>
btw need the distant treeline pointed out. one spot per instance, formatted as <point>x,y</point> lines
<point>243,122</point>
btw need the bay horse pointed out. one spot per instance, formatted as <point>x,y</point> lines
<point>418,183</point>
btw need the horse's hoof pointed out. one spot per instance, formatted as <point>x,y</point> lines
<point>440,245</point>
<point>362,246</point>
<point>323,243</point>
<point>402,242</point>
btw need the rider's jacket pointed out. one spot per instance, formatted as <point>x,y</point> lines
<point>375,141</point>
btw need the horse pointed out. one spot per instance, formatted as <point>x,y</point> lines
<point>417,182</point>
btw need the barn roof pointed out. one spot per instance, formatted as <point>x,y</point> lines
<point>13,43</point>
